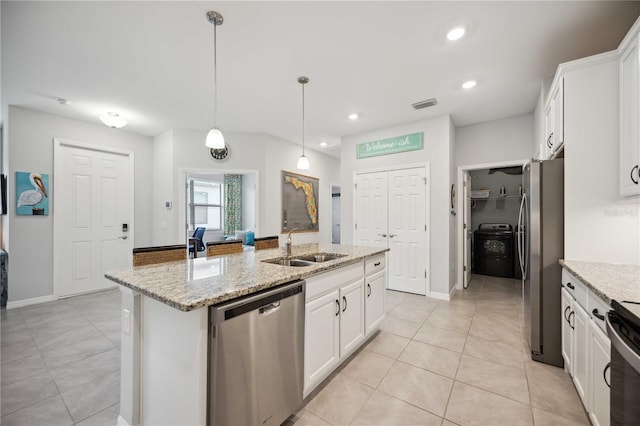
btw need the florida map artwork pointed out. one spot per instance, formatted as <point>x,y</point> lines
<point>32,194</point>
<point>299,202</point>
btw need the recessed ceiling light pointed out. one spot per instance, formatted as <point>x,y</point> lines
<point>456,33</point>
<point>323,144</point>
<point>63,101</point>
<point>353,116</point>
<point>469,84</point>
<point>113,119</point>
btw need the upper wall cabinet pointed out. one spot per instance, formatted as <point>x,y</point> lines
<point>553,120</point>
<point>630,119</point>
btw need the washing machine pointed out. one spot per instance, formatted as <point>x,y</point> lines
<point>493,250</point>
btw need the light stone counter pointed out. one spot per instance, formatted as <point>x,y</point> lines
<point>609,281</point>
<point>195,283</point>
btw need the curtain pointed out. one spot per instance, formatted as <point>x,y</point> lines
<point>233,204</point>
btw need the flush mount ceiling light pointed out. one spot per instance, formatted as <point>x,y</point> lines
<point>456,33</point>
<point>469,84</point>
<point>215,140</point>
<point>303,161</point>
<point>353,116</point>
<point>113,119</point>
<point>323,144</point>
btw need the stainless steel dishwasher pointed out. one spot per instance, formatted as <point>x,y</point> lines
<point>256,349</point>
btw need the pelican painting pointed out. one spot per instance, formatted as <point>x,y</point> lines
<point>31,193</point>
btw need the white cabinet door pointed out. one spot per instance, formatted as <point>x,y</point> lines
<point>580,322</point>
<point>630,120</point>
<point>599,375</point>
<point>567,330</point>
<point>558,116</point>
<point>351,317</point>
<point>374,303</point>
<point>322,338</point>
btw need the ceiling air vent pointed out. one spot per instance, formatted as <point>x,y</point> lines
<point>425,104</point>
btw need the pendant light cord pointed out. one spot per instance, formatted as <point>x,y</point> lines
<point>303,119</point>
<point>215,76</point>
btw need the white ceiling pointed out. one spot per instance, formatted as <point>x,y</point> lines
<point>153,61</point>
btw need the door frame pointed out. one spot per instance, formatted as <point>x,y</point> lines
<point>58,145</point>
<point>427,211</point>
<point>182,197</point>
<point>462,192</point>
<point>333,219</point>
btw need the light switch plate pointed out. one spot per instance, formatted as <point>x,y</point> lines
<point>126,321</point>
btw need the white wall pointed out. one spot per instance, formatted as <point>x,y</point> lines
<point>249,201</point>
<point>30,147</point>
<point>436,152</point>
<point>599,226</point>
<point>495,141</point>
<point>265,154</point>
<point>163,220</point>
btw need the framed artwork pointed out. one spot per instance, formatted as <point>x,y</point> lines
<point>299,202</point>
<point>32,194</point>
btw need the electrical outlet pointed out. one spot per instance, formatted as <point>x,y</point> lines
<point>126,321</point>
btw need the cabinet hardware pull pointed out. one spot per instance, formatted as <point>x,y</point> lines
<point>337,306</point>
<point>571,325</point>
<point>597,315</point>
<point>369,288</point>
<point>383,235</point>
<point>392,235</point>
<point>344,299</point>
<point>604,374</point>
<point>565,313</point>
<point>631,174</point>
<point>376,264</point>
<point>571,286</point>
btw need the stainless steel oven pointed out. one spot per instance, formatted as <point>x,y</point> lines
<point>623,327</point>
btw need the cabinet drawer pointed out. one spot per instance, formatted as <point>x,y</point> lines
<point>376,264</point>
<point>595,305</point>
<point>579,290</point>
<point>325,282</point>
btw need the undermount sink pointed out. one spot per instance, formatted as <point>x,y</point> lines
<point>320,257</point>
<point>289,262</point>
<point>306,260</point>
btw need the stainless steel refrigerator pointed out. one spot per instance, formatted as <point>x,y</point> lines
<point>540,243</point>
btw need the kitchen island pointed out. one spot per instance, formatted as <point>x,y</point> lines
<point>165,320</point>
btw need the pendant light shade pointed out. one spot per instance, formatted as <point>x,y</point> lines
<point>303,161</point>
<point>215,140</point>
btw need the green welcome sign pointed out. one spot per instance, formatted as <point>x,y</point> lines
<point>388,146</point>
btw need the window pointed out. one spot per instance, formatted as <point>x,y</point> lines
<point>205,204</point>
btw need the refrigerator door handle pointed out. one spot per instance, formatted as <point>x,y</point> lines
<point>525,239</point>
<point>520,238</point>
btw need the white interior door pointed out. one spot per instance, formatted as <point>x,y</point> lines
<point>371,209</point>
<point>407,230</point>
<point>468,232</point>
<point>92,217</point>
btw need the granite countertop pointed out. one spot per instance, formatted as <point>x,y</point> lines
<point>608,280</point>
<point>196,283</point>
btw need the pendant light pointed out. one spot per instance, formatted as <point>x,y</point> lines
<point>303,161</point>
<point>215,140</point>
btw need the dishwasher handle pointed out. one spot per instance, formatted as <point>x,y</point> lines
<point>264,302</point>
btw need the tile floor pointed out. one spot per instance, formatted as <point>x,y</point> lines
<point>462,362</point>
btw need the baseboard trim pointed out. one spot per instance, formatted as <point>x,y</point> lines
<point>121,422</point>
<point>439,296</point>
<point>29,302</point>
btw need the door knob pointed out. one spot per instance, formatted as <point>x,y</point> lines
<point>383,235</point>
<point>392,235</point>
<point>124,237</point>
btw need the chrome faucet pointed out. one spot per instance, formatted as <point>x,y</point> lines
<point>288,244</point>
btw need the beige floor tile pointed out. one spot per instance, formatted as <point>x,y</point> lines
<point>394,297</point>
<point>472,406</point>
<point>506,381</point>
<point>415,315</point>
<point>388,344</point>
<point>416,386</point>
<point>552,390</point>
<point>501,352</point>
<point>432,358</point>
<point>382,409</point>
<point>414,301</point>
<point>50,412</point>
<point>446,422</point>
<point>447,339</point>
<point>399,327</point>
<point>340,401</point>
<point>305,418</point>
<point>368,367</point>
<point>442,318</point>
<point>492,330</point>
<point>544,418</point>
